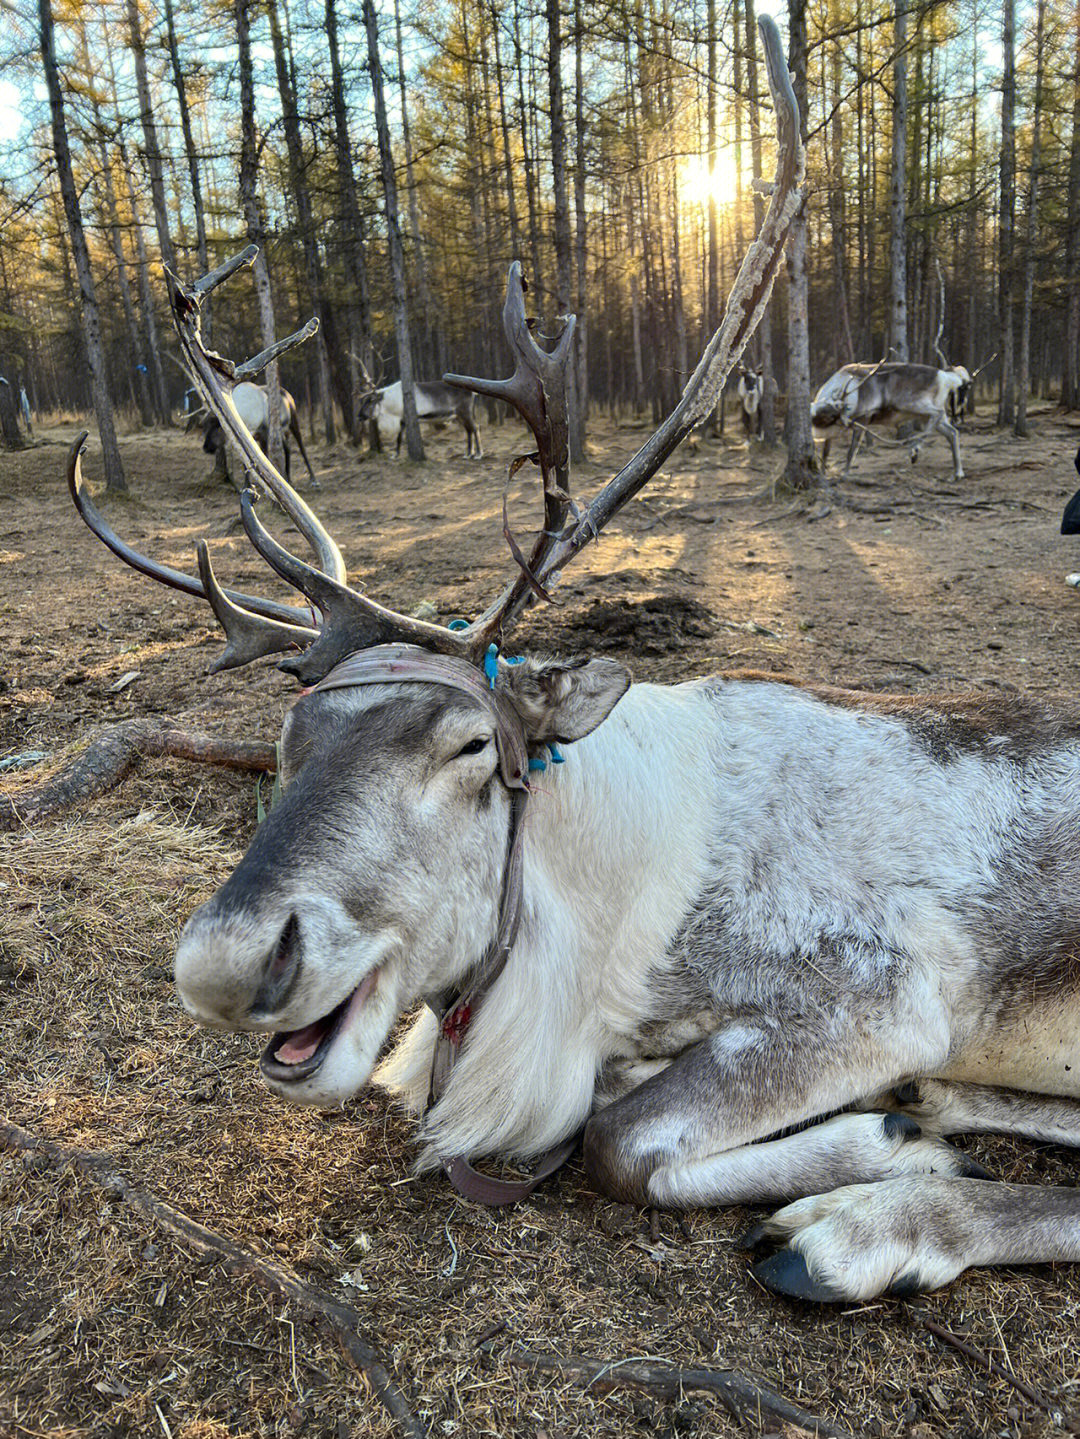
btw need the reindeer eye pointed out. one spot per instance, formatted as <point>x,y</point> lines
<point>475,746</point>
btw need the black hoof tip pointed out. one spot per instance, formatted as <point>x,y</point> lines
<point>972,1169</point>
<point>753,1237</point>
<point>907,1093</point>
<point>900,1126</point>
<point>785,1272</point>
<point>904,1285</point>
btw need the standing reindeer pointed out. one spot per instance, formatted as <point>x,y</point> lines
<point>857,395</point>
<point>253,409</point>
<point>749,392</point>
<point>765,942</point>
<point>434,401</point>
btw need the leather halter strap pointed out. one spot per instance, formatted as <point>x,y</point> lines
<point>455,1007</point>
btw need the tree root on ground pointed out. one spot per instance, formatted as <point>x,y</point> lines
<point>110,757</point>
<point>338,1320</point>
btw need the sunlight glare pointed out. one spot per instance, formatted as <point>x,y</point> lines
<point>698,186</point>
<point>10,112</point>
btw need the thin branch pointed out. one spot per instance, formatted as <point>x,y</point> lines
<point>1055,1411</point>
<point>744,1398</point>
<point>341,1321</point>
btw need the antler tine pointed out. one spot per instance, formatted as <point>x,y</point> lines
<point>351,621</point>
<point>210,281</point>
<point>537,390</point>
<point>746,305</point>
<point>208,371</point>
<point>266,611</point>
<point>248,637</point>
<point>279,347</point>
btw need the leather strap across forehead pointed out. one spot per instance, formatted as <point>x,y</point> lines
<point>391,664</point>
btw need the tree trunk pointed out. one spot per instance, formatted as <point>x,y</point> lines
<point>1007,219</point>
<point>802,471</point>
<point>526,160</point>
<point>837,210</point>
<point>432,348</point>
<point>397,255</point>
<point>508,164</point>
<point>158,386</point>
<point>898,321</point>
<point>764,335</point>
<point>115,482</point>
<point>1070,391</point>
<point>305,220</point>
<point>10,434</point>
<point>712,303</point>
<point>150,140</point>
<point>142,373</point>
<point>563,252</point>
<point>352,225</point>
<point>1023,379</point>
<point>192,160</point>
<point>581,332</point>
<point>250,205</point>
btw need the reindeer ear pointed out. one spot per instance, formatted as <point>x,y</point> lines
<point>564,699</point>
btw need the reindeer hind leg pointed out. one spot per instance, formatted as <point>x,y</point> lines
<point>944,1106</point>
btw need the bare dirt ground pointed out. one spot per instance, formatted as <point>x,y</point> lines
<point>110,1327</point>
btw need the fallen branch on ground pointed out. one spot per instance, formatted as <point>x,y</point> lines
<point>110,757</point>
<point>1056,1411</point>
<point>744,1398</point>
<point>338,1320</point>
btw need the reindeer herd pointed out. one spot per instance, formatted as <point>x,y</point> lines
<point>756,942</point>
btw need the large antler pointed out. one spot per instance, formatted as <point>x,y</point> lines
<point>537,389</point>
<point>351,621</point>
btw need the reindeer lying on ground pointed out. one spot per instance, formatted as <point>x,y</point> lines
<point>765,942</point>
<point>251,404</point>
<point>434,401</point>
<point>857,395</point>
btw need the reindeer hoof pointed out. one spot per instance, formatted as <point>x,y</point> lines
<point>785,1272</point>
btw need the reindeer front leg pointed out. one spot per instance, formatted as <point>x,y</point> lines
<point>693,1134</point>
<point>942,426</point>
<point>913,1234</point>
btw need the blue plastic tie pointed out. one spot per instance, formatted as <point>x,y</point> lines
<point>491,664</point>
<point>557,756</point>
<point>458,625</point>
<point>537,764</point>
<point>515,659</point>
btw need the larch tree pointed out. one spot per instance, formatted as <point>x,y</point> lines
<point>249,202</point>
<point>1070,390</point>
<point>1031,241</point>
<point>1007,216</point>
<point>115,482</point>
<point>898,318</point>
<point>802,471</point>
<point>413,441</point>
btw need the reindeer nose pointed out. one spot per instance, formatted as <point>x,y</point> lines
<point>231,970</point>
<point>281,973</point>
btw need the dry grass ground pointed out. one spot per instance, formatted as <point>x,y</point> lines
<point>108,1327</point>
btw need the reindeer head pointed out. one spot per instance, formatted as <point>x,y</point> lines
<point>391,867</point>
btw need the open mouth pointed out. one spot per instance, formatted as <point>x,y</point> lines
<point>296,1054</point>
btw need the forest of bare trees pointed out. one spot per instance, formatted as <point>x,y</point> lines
<point>392,160</point>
